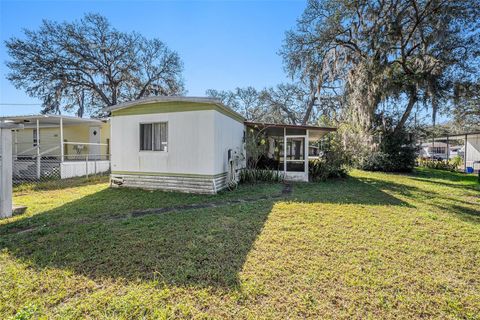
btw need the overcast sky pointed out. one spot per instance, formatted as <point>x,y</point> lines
<point>223,44</point>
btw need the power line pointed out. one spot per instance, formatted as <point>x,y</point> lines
<point>20,104</point>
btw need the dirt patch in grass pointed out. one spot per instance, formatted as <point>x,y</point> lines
<point>287,190</point>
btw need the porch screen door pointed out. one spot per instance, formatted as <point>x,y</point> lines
<point>295,154</point>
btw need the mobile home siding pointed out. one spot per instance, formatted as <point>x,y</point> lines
<point>228,135</point>
<point>473,151</point>
<point>189,148</point>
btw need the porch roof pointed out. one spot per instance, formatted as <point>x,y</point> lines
<point>48,120</point>
<point>314,132</point>
<point>456,135</point>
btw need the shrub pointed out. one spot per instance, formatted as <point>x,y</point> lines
<point>396,153</point>
<point>377,161</point>
<point>451,165</point>
<point>321,170</point>
<point>333,163</point>
<point>260,175</point>
<point>456,161</point>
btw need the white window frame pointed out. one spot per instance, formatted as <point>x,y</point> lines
<point>153,143</point>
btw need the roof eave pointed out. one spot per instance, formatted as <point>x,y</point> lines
<point>157,99</point>
<point>293,126</point>
<point>152,100</point>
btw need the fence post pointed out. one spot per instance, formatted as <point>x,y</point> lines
<point>86,165</point>
<point>465,154</point>
<point>16,144</point>
<point>38,150</point>
<point>61,141</point>
<point>39,164</point>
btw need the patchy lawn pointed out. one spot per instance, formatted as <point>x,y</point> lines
<point>371,246</point>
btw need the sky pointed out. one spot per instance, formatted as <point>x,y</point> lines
<point>223,44</point>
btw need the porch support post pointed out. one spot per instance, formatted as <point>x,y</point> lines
<point>284,151</point>
<point>6,167</point>
<point>448,149</point>
<point>61,140</point>
<point>15,152</point>
<point>465,154</point>
<point>38,151</point>
<point>433,147</point>
<point>306,153</point>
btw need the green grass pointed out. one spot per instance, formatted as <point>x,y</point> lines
<point>373,245</point>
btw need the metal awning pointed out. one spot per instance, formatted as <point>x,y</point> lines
<point>314,132</point>
<point>49,120</point>
<point>455,136</point>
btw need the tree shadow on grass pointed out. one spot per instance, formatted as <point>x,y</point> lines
<point>204,248</point>
<point>94,236</point>
<point>453,204</point>
<point>449,178</point>
<point>471,183</point>
<point>347,191</point>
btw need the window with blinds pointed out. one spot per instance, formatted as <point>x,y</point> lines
<point>154,136</point>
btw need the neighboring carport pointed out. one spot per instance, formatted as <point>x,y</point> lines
<point>471,149</point>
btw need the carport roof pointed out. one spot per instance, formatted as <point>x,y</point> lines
<point>49,120</point>
<point>456,135</point>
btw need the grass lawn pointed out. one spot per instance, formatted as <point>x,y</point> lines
<point>373,245</point>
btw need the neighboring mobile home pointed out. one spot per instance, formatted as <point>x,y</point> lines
<point>448,146</point>
<point>189,144</point>
<point>57,146</point>
<point>437,150</point>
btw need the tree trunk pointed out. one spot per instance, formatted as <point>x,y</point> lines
<point>310,104</point>
<point>81,105</point>
<point>412,99</point>
<point>311,99</point>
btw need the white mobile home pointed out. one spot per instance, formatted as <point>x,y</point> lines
<point>435,150</point>
<point>187,143</point>
<point>174,143</point>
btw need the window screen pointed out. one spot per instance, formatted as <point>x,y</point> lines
<point>154,136</point>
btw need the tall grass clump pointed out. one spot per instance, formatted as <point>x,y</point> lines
<point>260,175</point>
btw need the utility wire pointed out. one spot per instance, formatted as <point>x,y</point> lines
<point>20,104</point>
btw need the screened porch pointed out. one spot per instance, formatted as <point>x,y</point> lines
<point>288,147</point>
<point>55,146</point>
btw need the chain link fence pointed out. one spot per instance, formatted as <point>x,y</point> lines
<point>45,163</point>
